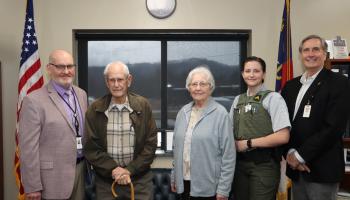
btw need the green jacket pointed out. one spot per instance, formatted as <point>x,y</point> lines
<point>95,138</point>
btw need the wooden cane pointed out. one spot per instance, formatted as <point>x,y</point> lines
<point>132,193</point>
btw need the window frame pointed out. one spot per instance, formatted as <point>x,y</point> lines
<point>83,36</point>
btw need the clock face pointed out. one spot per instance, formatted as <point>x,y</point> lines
<point>161,8</point>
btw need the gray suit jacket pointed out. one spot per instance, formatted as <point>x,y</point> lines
<point>47,143</point>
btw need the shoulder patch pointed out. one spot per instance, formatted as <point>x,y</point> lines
<point>257,97</point>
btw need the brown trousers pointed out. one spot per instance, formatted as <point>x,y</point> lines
<point>143,188</point>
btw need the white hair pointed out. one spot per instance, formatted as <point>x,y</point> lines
<point>201,69</point>
<point>116,63</point>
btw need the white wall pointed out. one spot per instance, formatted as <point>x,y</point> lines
<point>56,19</point>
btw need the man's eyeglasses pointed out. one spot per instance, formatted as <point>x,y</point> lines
<point>63,67</point>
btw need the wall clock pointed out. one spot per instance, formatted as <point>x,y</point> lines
<point>161,8</point>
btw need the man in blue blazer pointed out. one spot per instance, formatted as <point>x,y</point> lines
<point>319,106</point>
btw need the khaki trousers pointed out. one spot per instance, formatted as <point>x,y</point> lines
<point>78,192</point>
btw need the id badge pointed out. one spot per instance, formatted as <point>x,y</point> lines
<point>307,111</point>
<point>79,143</point>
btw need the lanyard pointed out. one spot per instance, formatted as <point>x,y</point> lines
<point>75,114</point>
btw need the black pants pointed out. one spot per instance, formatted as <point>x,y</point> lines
<point>186,194</point>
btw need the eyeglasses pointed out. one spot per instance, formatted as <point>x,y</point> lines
<point>200,84</point>
<point>118,80</point>
<point>63,67</point>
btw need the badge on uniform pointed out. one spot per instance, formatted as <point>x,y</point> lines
<point>307,111</point>
<point>257,97</point>
<point>247,108</point>
<point>79,143</point>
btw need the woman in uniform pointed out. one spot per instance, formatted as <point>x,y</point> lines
<point>260,125</point>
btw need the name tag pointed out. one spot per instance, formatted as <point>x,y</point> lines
<point>307,111</point>
<point>79,143</point>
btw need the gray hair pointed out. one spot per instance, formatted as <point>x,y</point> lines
<point>323,42</point>
<point>201,69</point>
<point>116,63</point>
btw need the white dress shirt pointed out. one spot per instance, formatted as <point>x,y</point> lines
<point>306,83</point>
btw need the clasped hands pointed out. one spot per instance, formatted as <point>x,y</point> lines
<point>121,176</point>
<point>294,163</point>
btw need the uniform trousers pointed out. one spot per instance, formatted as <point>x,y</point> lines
<point>254,181</point>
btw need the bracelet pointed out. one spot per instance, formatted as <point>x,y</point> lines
<point>249,144</point>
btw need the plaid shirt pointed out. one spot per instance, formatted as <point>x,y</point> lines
<point>120,133</point>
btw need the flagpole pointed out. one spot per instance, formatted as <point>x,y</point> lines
<point>284,61</point>
<point>288,38</point>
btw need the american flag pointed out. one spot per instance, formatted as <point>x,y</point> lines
<point>30,78</point>
<point>285,61</point>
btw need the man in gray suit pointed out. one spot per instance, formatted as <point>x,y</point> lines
<point>50,130</point>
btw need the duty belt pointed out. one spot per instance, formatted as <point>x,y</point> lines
<point>258,155</point>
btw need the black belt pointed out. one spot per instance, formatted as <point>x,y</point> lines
<point>80,159</point>
<point>259,155</point>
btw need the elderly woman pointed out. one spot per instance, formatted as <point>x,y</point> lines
<point>261,125</point>
<point>204,151</point>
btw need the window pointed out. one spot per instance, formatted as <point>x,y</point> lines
<point>159,63</point>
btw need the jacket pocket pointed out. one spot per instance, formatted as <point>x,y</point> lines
<point>46,165</point>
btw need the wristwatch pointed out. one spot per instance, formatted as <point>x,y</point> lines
<point>249,144</point>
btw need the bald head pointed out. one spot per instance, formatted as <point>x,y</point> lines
<point>61,68</point>
<point>58,55</point>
